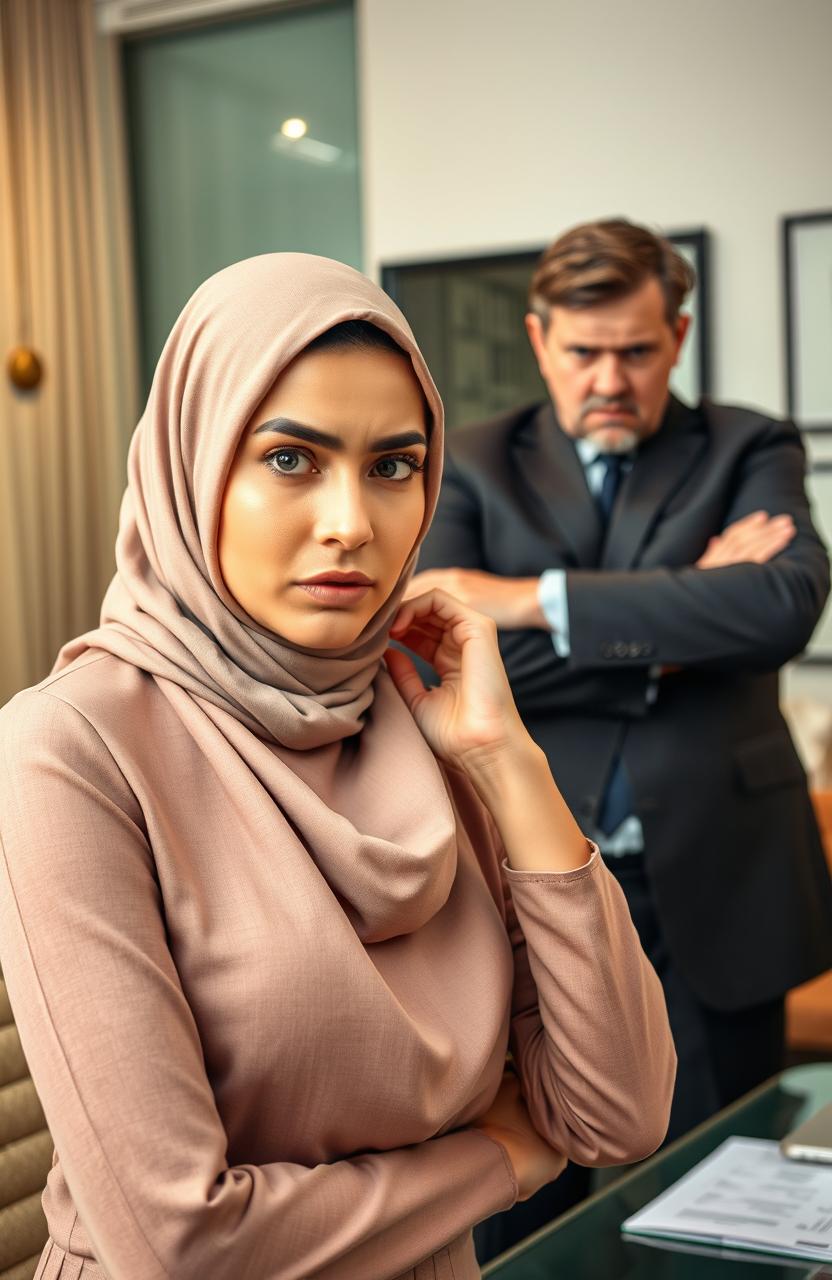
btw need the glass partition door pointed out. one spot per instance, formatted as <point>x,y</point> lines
<point>243,140</point>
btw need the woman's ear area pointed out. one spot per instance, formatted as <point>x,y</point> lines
<point>217,552</point>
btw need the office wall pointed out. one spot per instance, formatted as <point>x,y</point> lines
<point>489,123</point>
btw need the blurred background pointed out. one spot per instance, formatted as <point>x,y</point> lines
<point>437,146</point>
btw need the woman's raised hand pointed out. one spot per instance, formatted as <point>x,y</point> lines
<point>470,721</point>
<point>470,718</point>
<point>508,1122</point>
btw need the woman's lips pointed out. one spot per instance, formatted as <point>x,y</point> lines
<point>332,591</point>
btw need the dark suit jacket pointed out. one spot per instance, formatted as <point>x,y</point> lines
<point>732,851</point>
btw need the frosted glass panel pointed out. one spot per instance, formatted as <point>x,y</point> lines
<point>214,179</point>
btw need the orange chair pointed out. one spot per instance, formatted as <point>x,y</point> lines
<point>809,1008</point>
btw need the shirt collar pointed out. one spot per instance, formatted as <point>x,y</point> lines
<point>588,452</point>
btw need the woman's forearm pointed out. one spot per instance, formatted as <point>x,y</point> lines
<point>535,825</point>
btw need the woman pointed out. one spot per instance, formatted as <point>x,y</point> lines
<point>252,917</point>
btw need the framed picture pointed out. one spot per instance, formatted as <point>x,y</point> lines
<point>819,490</point>
<point>467,315</point>
<point>807,267</point>
<point>692,376</point>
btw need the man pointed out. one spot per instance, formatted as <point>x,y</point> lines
<point>651,567</point>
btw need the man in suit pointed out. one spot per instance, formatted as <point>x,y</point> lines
<point>651,567</point>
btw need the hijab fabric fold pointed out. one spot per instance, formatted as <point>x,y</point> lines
<point>324,731</point>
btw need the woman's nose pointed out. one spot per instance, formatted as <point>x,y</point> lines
<point>342,515</point>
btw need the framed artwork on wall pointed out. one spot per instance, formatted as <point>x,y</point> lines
<point>692,376</point>
<point>467,315</point>
<point>807,278</point>
<point>819,490</point>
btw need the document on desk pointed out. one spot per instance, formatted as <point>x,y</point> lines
<point>746,1195</point>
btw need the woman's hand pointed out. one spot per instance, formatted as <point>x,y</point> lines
<point>470,719</point>
<point>507,1121</point>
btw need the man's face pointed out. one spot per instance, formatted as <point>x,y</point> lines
<point>607,367</point>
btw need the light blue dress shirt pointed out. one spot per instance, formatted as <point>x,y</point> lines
<point>628,837</point>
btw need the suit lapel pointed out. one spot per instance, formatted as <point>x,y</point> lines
<point>554,489</point>
<point>663,463</point>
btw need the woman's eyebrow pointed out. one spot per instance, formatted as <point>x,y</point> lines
<point>288,427</point>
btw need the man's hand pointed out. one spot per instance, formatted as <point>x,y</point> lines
<point>511,602</point>
<point>755,539</point>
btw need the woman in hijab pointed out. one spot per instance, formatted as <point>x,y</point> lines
<point>271,913</point>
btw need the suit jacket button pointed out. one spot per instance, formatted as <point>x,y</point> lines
<point>621,649</point>
<point>606,650</point>
<point>637,650</point>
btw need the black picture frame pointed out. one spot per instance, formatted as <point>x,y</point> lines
<point>505,371</point>
<point>807,292</point>
<point>818,652</point>
<point>695,244</point>
<point>429,291</point>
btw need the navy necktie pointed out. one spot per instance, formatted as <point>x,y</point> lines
<point>614,463</point>
<point>617,800</point>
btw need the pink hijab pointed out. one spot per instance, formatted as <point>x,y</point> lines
<point>325,732</point>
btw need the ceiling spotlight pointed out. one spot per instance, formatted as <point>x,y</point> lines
<point>294,127</point>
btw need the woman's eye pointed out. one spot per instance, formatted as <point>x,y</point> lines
<point>396,468</point>
<point>289,462</point>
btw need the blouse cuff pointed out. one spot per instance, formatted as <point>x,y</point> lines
<point>562,877</point>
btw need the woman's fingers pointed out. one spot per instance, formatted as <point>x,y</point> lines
<point>420,626</point>
<point>444,610</point>
<point>422,635</point>
<point>421,643</point>
<point>405,677</point>
<point>440,629</point>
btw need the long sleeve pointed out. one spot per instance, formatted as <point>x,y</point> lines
<point>590,1035</point>
<point>542,682</point>
<point>749,617</point>
<point>115,1053</point>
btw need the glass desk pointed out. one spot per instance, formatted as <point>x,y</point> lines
<point>586,1243</point>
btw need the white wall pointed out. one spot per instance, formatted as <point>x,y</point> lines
<point>498,123</point>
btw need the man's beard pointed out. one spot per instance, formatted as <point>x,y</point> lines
<point>612,437</point>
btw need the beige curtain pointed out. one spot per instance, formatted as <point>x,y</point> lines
<point>65,290</point>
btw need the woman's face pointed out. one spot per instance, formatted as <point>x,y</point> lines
<point>326,496</point>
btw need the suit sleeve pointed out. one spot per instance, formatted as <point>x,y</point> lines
<point>115,1054</point>
<point>751,617</point>
<point>542,683</point>
<point>589,1034</point>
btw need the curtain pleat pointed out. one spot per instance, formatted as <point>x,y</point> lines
<point>66,289</point>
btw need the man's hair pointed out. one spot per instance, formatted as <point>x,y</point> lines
<point>358,334</point>
<point>601,261</point>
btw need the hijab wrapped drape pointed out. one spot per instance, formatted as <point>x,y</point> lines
<point>324,731</point>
